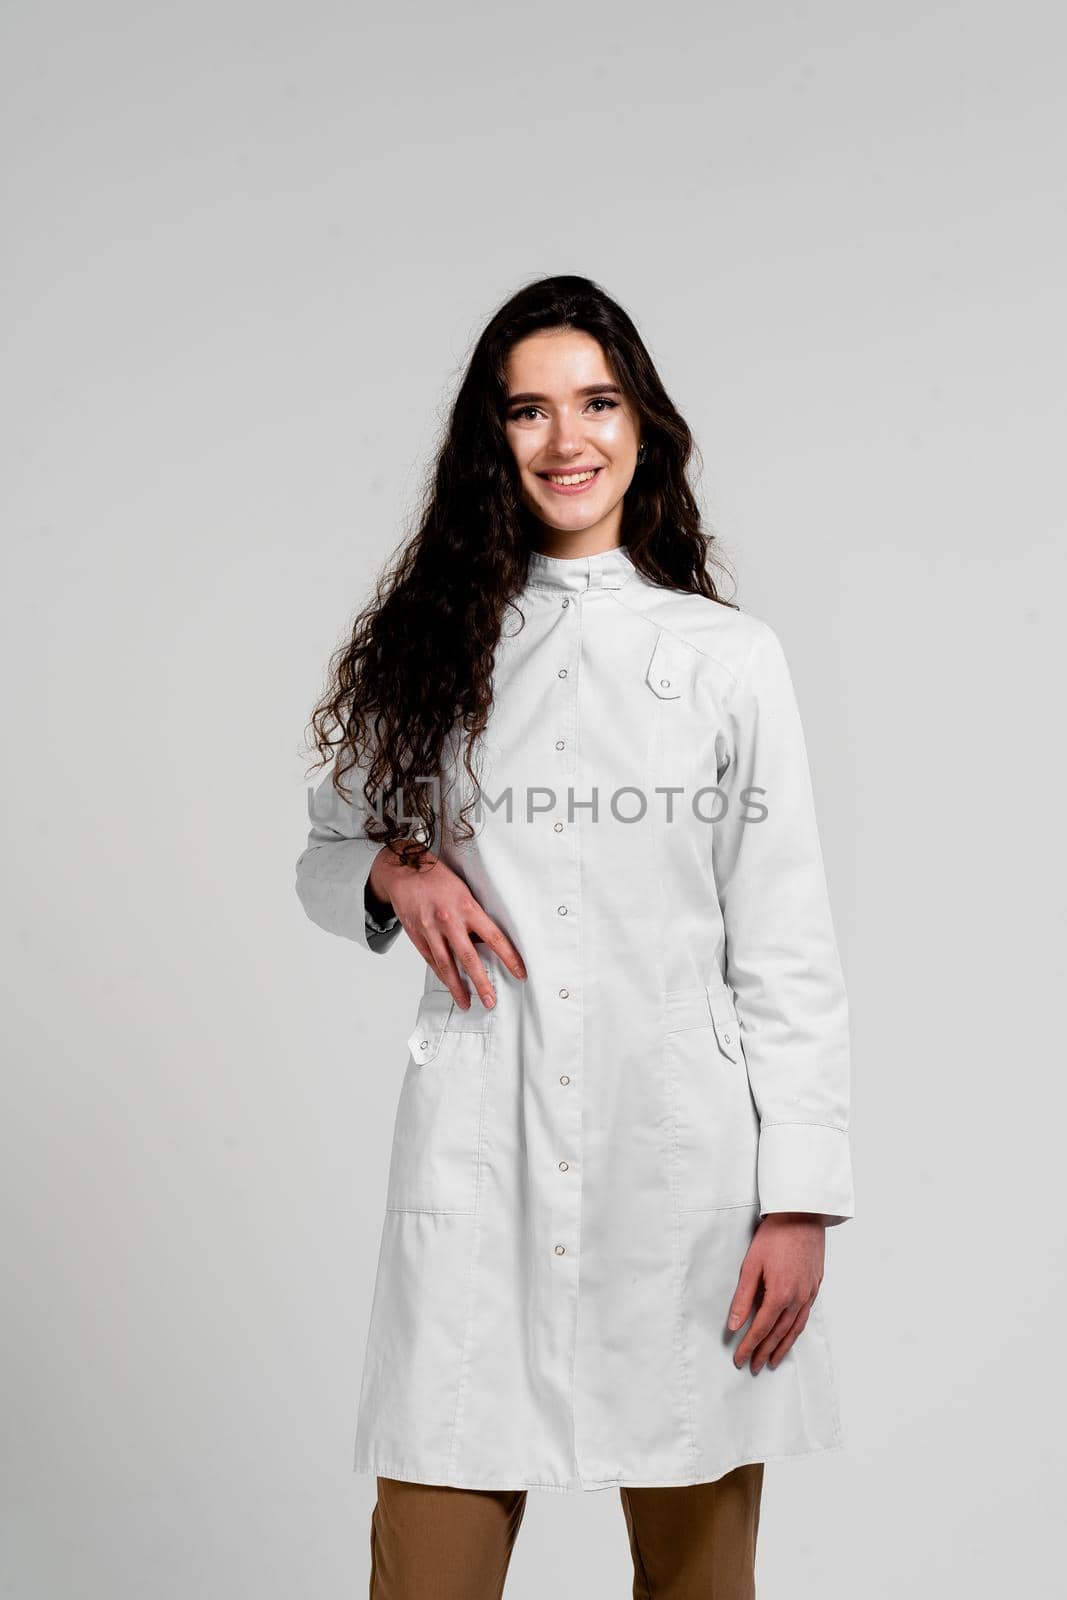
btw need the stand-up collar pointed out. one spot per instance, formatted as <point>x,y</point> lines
<point>607,569</point>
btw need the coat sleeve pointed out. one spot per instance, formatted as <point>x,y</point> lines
<point>333,872</point>
<point>781,954</point>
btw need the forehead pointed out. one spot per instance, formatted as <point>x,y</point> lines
<point>556,361</point>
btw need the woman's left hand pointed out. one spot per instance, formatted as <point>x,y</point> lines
<point>786,1256</point>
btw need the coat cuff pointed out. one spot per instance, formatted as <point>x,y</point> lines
<point>805,1166</point>
<point>332,883</point>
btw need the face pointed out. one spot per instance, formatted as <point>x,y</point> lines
<point>566,415</point>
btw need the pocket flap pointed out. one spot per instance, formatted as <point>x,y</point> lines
<point>668,668</point>
<point>727,1025</point>
<point>424,1040</point>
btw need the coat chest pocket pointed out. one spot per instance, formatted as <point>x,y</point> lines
<point>716,1123</point>
<point>669,686</point>
<point>670,668</point>
<point>437,1135</point>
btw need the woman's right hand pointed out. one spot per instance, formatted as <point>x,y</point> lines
<point>440,915</point>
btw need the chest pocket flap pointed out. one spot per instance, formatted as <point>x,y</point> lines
<point>670,667</point>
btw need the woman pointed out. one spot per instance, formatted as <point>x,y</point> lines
<point>580,785</point>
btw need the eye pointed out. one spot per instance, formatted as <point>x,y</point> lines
<point>602,400</point>
<point>517,416</point>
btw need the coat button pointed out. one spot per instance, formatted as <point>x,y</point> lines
<point>557,827</point>
<point>564,994</point>
<point>559,744</point>
<point>726,1038</point>
<point>562,910</point>
<point>561,1249</point>
<point>563,1166</point>
<point>664,683</point>
<point>564,1078</point>
<point>562,673</point>
<point>566,603</point>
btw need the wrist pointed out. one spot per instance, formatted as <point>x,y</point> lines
<point>377,879</point>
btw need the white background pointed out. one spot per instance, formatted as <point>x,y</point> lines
<point>248,249</point>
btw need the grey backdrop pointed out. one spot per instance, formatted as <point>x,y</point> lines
<point>247,249</point>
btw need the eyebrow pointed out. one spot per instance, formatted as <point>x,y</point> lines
<point>590,389</point>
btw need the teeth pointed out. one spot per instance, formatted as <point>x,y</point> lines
<point>574,477</point>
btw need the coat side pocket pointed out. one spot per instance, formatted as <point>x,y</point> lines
<point>435,1161</point>
<point>716,1123</point>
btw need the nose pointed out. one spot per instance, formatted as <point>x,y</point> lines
<point>565,437</point>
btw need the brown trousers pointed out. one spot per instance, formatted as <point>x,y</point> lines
<point>437,1542</point>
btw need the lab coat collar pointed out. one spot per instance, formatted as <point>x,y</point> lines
<point>607,569</point>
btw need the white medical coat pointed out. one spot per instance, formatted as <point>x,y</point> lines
<point>576,1173</point>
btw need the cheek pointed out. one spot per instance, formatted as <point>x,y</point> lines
<point>617,436</point>
<point>522,449</point>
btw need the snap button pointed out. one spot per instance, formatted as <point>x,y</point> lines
<point>562,910</point>
<point>561,1249</point>
<point>562,672</point>
<point>564,994</point>
<point>564,1078</point>
<point>559,744</point>
<point>563,1166</point>
<point>557,827</point>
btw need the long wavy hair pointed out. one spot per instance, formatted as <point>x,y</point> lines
<point>417,667</point>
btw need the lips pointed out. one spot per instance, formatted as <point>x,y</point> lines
<point>586,477</point>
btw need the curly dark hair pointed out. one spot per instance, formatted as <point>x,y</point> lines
<point>418,664</point>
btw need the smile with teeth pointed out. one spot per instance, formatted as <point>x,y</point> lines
<point>570,477</point>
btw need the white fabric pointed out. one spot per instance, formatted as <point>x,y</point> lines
<point>577,1172</point>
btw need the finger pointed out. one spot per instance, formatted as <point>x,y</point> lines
<point>769,1311</point>
<point>791,1337</point>
<point>766,1346</point>
<point>745,1293</point>
<point>499,943</point>
<point>437,953</point>
<point>468,958</point>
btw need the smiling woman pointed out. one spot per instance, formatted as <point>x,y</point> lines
<point>571,431</point>
<point>630,1144</point>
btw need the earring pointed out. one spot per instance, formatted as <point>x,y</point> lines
<point>640,455</point>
